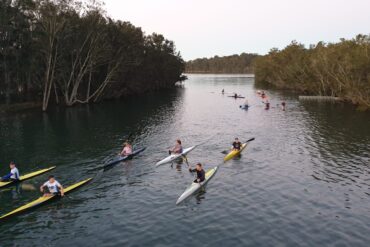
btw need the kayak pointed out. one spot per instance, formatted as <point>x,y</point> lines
<point>234,153</point>
<point>26,177</point>
<point>244,107</point>
<point>238,97</point>
<point>174,157</point>
<point>195,187</point>
<point>123,158</point>
<point>43,200</point>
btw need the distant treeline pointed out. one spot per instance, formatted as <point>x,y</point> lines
<point>70,52</point>
<point>229,64</point>
<point>340,69</point>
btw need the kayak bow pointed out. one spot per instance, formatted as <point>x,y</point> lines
<point>43,200</point>
<point>195,187</point>
<point>123,158</point>
<point>238,97</point>
<point>174,157</point>
<point>26,177</point>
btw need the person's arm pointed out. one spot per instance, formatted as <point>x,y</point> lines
<point>8,176</point>
<point>61,189</point>
<point>233,145</point>
<point>192,170</point>
<point>42,188</point>
<point>202,176</point>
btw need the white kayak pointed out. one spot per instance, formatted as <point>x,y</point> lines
<point>195,187</point>
<point>174,157</point>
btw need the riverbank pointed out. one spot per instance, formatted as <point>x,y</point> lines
<point>19,107</point>
<point>336,69</point>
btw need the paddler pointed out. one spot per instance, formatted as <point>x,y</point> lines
<point>246,104</point>
<point>236,95</point>
<point>201,174</point>
<point>283,105</point>
<point>223,91</point>
<point>237,145</point>
<point>263,95</point>
<point>177,149</point>
<point>13,175</point>
<point>267,105</point>
<point>54,187</point>
<point>127,149</point>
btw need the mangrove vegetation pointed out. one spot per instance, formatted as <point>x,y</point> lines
<point>69,52</point>
<point>235,64</point>
<point>335,69</point>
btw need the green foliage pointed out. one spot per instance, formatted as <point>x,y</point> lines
<point>340,69</point>
<point>70,52</point>
<point>229,64</point>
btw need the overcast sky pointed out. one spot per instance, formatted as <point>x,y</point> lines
<point>204,28</point>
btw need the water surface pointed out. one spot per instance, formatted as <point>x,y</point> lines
<point>304,181</point>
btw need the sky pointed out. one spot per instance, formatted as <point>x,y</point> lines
<point>205,28</point>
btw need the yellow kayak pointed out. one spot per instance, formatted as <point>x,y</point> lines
<point>233,153</point>
<point>26,177</point>
<point>43,200</point>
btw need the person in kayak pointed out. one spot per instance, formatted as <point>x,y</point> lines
<point>237,145</point>
<point>54,187</point>
<point>13,175</point>
<point>283,105</point>
<point>177,149</point>
<point>246,104</point>
<point>263,95</point>
<point>223,91</point>
<point>201,174</point>
<point>127,149</point>
<point>267,105</point>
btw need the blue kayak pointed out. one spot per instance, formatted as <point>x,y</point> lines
<point>123,158</point>
<point>245,107</point>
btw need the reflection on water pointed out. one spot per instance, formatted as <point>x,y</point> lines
<point>304,181</point>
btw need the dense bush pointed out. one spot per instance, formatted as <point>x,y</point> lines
<point>70,52</point>
<point>340,69</point>
<point>229,64</point>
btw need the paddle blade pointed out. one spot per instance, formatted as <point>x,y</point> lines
<point>252,139</point>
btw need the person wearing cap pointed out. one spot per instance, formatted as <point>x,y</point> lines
<point>13,175</point>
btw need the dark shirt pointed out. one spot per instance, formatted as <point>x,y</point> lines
<point>237,145</point>
<point>201,175</point>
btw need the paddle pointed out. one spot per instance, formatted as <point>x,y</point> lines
<point>227,151</point>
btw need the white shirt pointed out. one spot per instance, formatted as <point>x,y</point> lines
<point>53,187</point>
<point>15,173</point>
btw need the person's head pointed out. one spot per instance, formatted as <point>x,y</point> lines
<point>178,141</point>
<point>199,166</point>
<point>126,144</point>
<point>51,179</point>
<point>237,139</point>
<point>12,164</point>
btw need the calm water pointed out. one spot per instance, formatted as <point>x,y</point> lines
<point>304,181</point>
